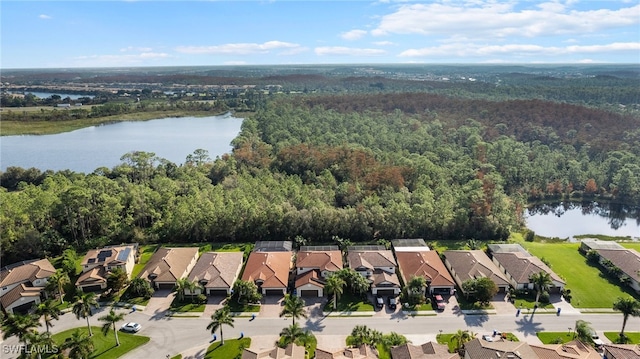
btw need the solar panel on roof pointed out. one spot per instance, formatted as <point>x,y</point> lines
<point>124,254</point>
<point>366,248</point>
<point>319,248</point>
<point>91,260</point>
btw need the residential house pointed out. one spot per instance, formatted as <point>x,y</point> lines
<point>292,351</point>
<point>216,272</point>
<point>376,263</point>
<point>621,351</point>
<point>167,265</point>
<point>22,284</point>
<point>429,350</point>
<point>98,263</point>
<point>313,265</point>
<point>465,265</point>
<point>519,265</point>
<point>420,261</point>
<point>572,350</point>
<point>269,271</point>
<point>362,352</point>
<point>482,349</point>
<point>627,260</point>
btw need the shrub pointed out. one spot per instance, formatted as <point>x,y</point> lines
<point>544,298</point>
<point>202,299</point>
<point>529,236</point>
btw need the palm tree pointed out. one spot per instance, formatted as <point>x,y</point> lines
<point>541,281</point>
<point>360,334</point>
<point>460,338</point>
<point>140,287</point>
<point>20,326</point>
<point>80,346</point>
<point>334,285</point>
<point>293,334</point>
<point>57,281</point>
<point>39,340</point>
<point>83,307</point>
<point>293,306</point>
<point>191,286</point>
<point>181,286</point>
<point>583,331</point>
<point>48,310</point>
<point>221,317</point>
<point>628,307</point>
<point>110,320</point>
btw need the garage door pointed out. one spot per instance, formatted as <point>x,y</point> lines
<point>309,293</point>
<point>217,292</point>
<point>386,292</point>
<point>273,292</point>
<point>165,286</point>
<point>91,288</point>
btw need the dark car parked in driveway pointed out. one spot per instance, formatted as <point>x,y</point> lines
<point>392,302</point>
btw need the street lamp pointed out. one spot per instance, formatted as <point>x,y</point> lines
<point>569,331</point>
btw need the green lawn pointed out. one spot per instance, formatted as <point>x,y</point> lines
<point>105,346</point>
<point>630,245</point>
<point>234,306</point>
<point>555,337</point>
<point>383,352</point>
<point>633,336</point>
<point>446,339</point>
<point>466,304</point>
<point>232,348</point>
<point>186,305</point>
<point>350,303</point>
<point>587,283</point>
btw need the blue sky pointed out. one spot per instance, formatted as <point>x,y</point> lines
<point>50,34</point>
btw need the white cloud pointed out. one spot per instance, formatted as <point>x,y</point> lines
<point>351,51</point>
<point>136,49</point>
<point>353,34</point>
<point>383,43</point>
<point>119,60</point>
<point>239,48</point>
<point>471,50</point>
<point>44,17</point>
<point>482,19</point>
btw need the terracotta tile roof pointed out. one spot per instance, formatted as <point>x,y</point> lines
<point>219,269</point>
<point>521,266</point>
<point>169,264</point>
<point>475,264</point>
<point>270,267</point>
<point>481,349</point>
<point>362,352</point>
<point>312,276</point>
<point>429,350</point>
<point>370,259</point>
<point>628,260</point>
<point>622,351</point>
<point>571,350</point>
<point>425,264</point>
<point>20,291</point>
<point>26,272</point>
<point>292,351</point>
<point>329,260</point>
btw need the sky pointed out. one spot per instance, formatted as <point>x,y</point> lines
<point>64,34</point>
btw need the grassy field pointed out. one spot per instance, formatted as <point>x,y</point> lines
<point>555,337</point>
<point>186,305</point>
<point>633,336</point>
<point>631,245</point>
<point>446,339</point>
<point>232,348</point>
<point>105,346</point>
<point>587,283</point>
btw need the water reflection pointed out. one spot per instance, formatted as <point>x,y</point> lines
<point>567,219</point>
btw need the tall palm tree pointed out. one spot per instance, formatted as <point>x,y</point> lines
<point>83,306</point>
<point>140,287</point>
<point>110,320</point>
<point>39,341</point>
<point>191,286</point>
<point>583,331</point>
<point>20,326</point>
<point>541,282</point>
<point>335,285</point>
<point>219,318</point>
<point>360,334</point>
<point>57,281</point>
<point>80,346</point>
<point>48,310</point>
<point>629,307</point>
<point>293,306</point>
<point>460,338</point>
<point>293,334</point>
<point>180,287</point>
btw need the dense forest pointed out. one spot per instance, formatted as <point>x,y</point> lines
<point>362,167</point>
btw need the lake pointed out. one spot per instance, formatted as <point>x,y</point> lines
<point>39,94</point>
<point>86,149</point>
<point>565,220</point>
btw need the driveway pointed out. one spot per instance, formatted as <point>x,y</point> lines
<point>271,306</point>
<point>159,303</point>
<point>213,303</point>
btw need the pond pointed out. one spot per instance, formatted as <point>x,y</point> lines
<point>89,148</point>
<point>568,219</point>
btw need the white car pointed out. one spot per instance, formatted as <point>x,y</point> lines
<point>131,327</point>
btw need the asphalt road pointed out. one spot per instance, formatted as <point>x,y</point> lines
<point>170,335</point>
